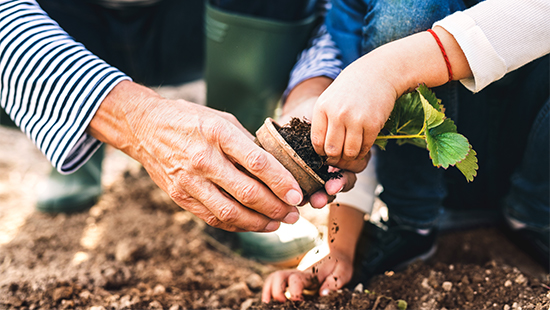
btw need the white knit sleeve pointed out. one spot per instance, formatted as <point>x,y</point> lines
<point>499,36</point>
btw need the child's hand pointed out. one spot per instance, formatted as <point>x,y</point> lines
<point>332,273</point>
<point>349,115</point>
<point>354,108</point>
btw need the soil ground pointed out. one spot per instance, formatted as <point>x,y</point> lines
<point>135,249</point>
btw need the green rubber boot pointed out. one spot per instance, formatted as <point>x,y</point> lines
<point>75,192</point>
<point>248,62</point>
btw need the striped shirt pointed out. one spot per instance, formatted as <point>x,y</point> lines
<point>50,85</point>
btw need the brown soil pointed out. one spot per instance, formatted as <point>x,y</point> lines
<point>136,249</point>
<point>297,133</point>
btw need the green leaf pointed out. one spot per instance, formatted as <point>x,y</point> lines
<point>432,116</point>
<point>415,141</point>
<point>401,304</point>
<point>468,166</point>
<point>407,116</point>
<point>446,148</point>
<point>448,125</point>
<point>423,90</point>
<point>418,118</point>
<point>381,143</point>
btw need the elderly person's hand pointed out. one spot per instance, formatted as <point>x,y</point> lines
<point>204,159</point>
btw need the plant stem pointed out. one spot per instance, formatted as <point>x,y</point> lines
<point>400,137</point>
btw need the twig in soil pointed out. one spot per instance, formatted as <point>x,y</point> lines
<point>376,302</point>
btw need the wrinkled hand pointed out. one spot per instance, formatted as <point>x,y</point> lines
<point>332,273</point>
<point>204,159</point>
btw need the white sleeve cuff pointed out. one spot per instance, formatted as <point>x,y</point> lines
<point>486,64</point>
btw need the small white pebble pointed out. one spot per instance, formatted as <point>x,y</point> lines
<point>508,283</point>
<point>159,289</point>
<point>520,279</point>
<point>425,283</point>
<point>487,271</point>
<point>451,267</point>
<point>447,286</point>
<point>506,307</point>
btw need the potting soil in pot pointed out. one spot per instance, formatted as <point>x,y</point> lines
<point>297,133</point>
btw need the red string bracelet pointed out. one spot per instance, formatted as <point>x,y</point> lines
<point>447,62</point>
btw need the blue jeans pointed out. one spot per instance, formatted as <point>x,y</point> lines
<point>359,26</point>
<point>506,123</point>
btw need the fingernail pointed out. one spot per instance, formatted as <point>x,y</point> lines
<point>291,218</point>
<point>293,197</point>
<point>272,226</point>
<point>325,292</point>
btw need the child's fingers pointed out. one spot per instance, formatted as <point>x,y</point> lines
<point>296,286</point>
<point>274,286</point>
<point>319,124</point>
<point>350,178</point>
<point>342,184</point>
<point>334,141</point>
<point>356,166</point>
<point>353,141</point>
<point>337,279</point>
<point>266,290</point>
<point>365,146</point>
<point>279,284</point>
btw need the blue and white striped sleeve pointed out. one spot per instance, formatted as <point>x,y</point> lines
<point>320,58</point>
<point>50,85</point>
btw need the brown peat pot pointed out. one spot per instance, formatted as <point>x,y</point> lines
<point>268,137</point>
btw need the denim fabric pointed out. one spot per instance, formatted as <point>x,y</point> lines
<point>359,26</point>
<point>158,44</point>
<point>506,123</point>
<point>528,199</point>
